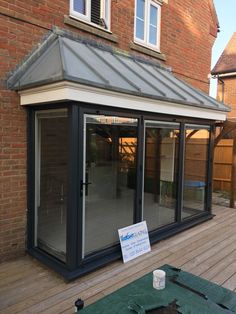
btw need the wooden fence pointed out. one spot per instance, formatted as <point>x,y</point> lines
<point>195,161</point>
<point>223,165</point>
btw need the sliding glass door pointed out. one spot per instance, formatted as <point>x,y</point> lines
<point>92,174</point>
<point>109,181</point>
<point>160,173</point>
<point>195,169</point>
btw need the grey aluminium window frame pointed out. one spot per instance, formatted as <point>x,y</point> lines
<point>75,265</point>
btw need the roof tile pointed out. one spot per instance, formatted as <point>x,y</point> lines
<point>227,61</point>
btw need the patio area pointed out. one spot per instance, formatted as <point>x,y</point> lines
<point>207,250</point>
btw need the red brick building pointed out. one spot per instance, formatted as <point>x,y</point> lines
<point>85,90</point>
<point>225,71</point>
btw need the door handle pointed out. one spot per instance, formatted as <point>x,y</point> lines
<point>86,184</point>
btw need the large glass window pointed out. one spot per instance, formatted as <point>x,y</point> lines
<point>109,185</point>
<point>147,23</point>
<point>195,169</point>
<point>96,173</point>
<point>51,181</point>
<point>160,175</point>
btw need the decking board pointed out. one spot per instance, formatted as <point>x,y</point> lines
<point>208,250</point>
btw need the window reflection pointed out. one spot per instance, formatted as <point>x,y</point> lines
<point>80,6</point>
<point>52,181</point>
<point>161,161</point>
<point>140,19</point>
<point>153,25</point>
<point>195,169</point>
<point>110,179</point>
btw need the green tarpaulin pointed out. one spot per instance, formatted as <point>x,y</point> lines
<point>184,293</point>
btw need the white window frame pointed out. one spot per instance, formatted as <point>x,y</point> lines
<point>145,42</point>
<point>76,14</point>
<point>105,12</point>
<point>87,16</point>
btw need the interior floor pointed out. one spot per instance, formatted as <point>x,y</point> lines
<point>103,221</point>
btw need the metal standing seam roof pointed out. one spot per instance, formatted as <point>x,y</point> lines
<point>62,58</point>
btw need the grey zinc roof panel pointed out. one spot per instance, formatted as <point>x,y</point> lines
<point>40,70</point>
<point>192,94</point>
<point>117,77</point>
<point>161,88</point>
<point>177,84</point>
<point>78,67</point>
<point>189,94</point>
<point>165,81</point>
<point>120,66</point>
<point>146,85</point>
<point>100,65</point>
<point>115,68</point>
<point>197,94</point>
<point>64,58</point>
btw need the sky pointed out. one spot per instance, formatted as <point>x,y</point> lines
<point>226,12</point>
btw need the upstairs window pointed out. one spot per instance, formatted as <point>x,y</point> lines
<point>93,11</point>
<point>147,23</point>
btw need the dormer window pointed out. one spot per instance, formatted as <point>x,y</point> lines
<point>96,12</point>
<point>147,23</point>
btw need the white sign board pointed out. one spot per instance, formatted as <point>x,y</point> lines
<point>134,241</point>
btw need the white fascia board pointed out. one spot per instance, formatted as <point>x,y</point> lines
<point>77,92</point>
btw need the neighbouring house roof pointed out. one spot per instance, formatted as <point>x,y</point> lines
<point>62,58</point>
<point>227,60</point>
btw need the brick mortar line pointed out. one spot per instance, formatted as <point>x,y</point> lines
<point>25,21</point>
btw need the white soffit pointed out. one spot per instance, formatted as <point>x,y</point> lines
<point>66,91</point>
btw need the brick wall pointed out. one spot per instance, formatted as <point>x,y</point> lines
<point>229,94</point>
<point>186,42</point>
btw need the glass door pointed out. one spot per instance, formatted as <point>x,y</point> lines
<point>160,173</point>
<point>51,181</point>
<point>109,180</point>
<point>195,169</point>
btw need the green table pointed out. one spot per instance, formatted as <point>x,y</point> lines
<point>184,293</point>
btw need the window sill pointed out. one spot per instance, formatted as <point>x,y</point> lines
<point>92,29</point>
<point>148,51</point>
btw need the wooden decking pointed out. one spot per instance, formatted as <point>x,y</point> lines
<point>207,250</point>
